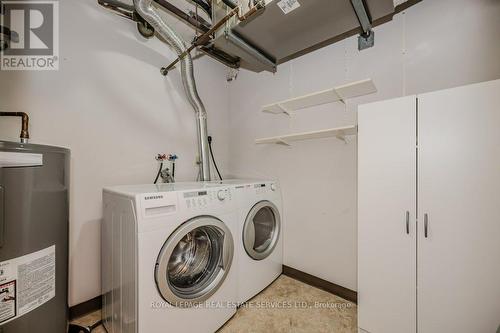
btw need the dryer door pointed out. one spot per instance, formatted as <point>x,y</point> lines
<point>194,261</point>
<point>261,230</point>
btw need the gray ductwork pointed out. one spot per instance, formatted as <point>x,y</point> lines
<point>150,14</point>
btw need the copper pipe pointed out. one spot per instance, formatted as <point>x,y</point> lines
<point>24,123</point>
<point>205,38</point>
<point>195,21</point>
<point>248,14</point>
<point>201,40</point>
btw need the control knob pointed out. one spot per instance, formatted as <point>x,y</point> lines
<point>221,195</point>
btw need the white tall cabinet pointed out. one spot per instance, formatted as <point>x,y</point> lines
<point>429,212</point>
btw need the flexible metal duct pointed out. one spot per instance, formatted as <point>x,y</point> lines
<point>146,10</point>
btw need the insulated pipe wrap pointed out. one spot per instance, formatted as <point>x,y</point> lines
<point>150,14</point>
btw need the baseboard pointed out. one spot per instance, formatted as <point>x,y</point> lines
<point>84,308</point>
<point>314,281</point>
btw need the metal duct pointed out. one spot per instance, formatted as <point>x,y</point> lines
<point>150,14</point>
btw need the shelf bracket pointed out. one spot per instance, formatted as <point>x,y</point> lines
<point>281,107</point>
<point>284,109</point>
<point>283,143</point>
<point>341,98</point>
<point>343,137</point>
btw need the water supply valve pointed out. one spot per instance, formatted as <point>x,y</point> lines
<point>165,174</point>
<point>172,157</point>
<point>161,157</point>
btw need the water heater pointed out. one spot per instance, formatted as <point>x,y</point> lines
<point>33,238</point>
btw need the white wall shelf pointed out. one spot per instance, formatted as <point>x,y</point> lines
<point>339,133</point>
<point>336,94</point>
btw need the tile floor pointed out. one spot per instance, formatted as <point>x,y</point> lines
<point>89,320</point>
<point>286,306</point>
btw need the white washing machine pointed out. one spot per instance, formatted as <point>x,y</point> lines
<point>168,258</point>
<point>260,244</point>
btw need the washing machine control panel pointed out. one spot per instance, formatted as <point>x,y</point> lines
<point>206,198</point>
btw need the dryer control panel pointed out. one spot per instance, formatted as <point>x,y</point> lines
<point>262,188</point>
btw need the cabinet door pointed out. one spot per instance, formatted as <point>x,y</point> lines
<point>459,200</point>
<point>386,199</point>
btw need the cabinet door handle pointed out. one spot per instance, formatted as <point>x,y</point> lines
<point>407,222</point>
<point>426,225</point>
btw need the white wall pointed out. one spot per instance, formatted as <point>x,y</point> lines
<point>110,105</point>
<point>434,45</point>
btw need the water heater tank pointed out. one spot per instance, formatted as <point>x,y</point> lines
<point>33,238</point>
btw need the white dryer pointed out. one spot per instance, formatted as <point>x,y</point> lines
<point>260,244</point>
<point>168,260</point>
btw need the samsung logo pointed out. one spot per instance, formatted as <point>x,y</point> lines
<point>153,197</point>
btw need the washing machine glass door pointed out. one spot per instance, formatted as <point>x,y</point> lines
<point>261,230</point>
<point>194,261</point>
